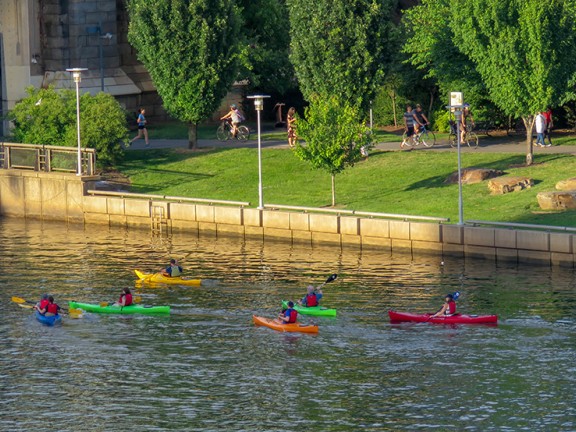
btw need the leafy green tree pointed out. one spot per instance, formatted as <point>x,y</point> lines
<point>191,50</point>
<point>334,136</point>
<point>521,55</point>
<point>265,50</point>
<point>525,52</point>
<point>48,117</point>
<point>341,47</point>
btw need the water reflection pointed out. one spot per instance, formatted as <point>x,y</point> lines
<point>206,367</point>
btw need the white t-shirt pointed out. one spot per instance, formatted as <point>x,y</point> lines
<point>540,123</point>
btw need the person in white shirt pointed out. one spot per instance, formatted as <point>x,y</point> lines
<point>540,125</point>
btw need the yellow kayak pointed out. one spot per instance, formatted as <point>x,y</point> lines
<point>160,278</point>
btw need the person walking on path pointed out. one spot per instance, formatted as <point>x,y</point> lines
<point>540,125</point>
<point>549,124</point>
<point>142,131</point>
<point>408,124</point>
<point>290,124</point>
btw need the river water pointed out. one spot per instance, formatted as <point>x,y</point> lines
<point>208,368</point>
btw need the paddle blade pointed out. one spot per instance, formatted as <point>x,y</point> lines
<point>103,304</point>
<point>25,306</point>
<point>18,300</point>
<point>456,295</point>
<point>331,278</point>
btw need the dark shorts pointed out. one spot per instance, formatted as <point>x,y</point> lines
<point>142,127</point>
<point>410,131</point>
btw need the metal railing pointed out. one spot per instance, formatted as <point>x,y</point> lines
<point>520,225</point>
<point>165,198</point>
<point>46,158</point>
<point>355,213</point>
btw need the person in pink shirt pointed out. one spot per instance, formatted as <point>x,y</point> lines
<point>549,124</point>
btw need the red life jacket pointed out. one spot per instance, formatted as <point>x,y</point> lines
<point>451,308</point>
<point>52,308</point>
<point>311,300</point>
<point>128,298</point>
<point>44,303</point>
<point>293,316</point>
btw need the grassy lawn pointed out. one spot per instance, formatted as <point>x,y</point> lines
<point>389,182</point>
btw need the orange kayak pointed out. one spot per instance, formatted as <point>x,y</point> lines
<point>295,327</point>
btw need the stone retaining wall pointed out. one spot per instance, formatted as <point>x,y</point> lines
<point>63,197</point>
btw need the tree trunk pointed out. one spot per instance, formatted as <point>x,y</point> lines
<point>193,136</point>
<point>393,97</point>
<point>529,124</point>
<point>432,91</point>
<point>333,190</point>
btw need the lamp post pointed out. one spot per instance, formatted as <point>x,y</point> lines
<point>456,106</point>
<point>259,106</point>
<point>98,31</point>
<point>77,76</point>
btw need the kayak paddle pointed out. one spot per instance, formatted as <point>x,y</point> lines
<point>74,313</point>
<point>331,278</point>
<point>136,299</point>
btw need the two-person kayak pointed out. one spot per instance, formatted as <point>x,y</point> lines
<point>123,310</point>
<point>398,317</point>
<point>294,327</point>
<point>48,320</point>
<point>160,278</point>
<point>311,310</point>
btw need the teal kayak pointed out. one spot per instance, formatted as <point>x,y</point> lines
<point>115,309</point>
<point>313,310</point>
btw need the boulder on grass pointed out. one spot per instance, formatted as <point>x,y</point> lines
<point>557,200</point>
<point>502,185</point>
<point>473,175</point>
<point>567,185</point>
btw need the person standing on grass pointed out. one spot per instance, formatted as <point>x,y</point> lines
<point>142,131</point>
<point>540,125</point>
<point>549,124</point>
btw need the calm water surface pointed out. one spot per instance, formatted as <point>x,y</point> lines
<point>208,368</point>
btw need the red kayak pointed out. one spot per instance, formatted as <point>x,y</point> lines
<point>397,317</point>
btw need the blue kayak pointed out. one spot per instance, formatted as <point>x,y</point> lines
<point>48,320</point>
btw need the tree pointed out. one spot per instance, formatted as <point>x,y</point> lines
<point>341,47</point>
<point>334,136</point>
<point>519,54</point>
<point>48,117</point>
<point>190,48</point>
<point>265,48</point>
<point>525,52</point>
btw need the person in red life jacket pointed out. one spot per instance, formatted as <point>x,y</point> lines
<point>312,297</point>
<point>42,303</point>
<point>125,298</point>
<point>51,308</point>
<point>289,315</point>
<point>448,308</point>
<point>172,270</point>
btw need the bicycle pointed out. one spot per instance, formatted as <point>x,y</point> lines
<point>470,137</point>
<point>224,132</point>
<point>424,137</point>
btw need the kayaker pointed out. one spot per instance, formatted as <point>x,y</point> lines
<point>51,308</point>
<point>42,303</point>
<point>125,298</point>
<point>289,315</point>
<point>312,297</point>
<point>448,308</point>
<point>172,270</point>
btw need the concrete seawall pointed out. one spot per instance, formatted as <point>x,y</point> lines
<point>65,197</point>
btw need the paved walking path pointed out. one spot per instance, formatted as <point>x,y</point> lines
<point>487,145</point>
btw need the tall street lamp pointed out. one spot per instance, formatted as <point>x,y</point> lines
<point>259,105</point>
<point>456,106</point>
<point>77,76</point>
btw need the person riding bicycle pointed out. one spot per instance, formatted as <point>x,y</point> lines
<point>235,117</point>
<point>465,120</point>
<point>421,121</point>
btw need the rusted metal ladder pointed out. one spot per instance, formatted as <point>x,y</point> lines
<point>158,221</point>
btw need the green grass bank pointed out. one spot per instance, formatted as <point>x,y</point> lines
<point>388,182</point>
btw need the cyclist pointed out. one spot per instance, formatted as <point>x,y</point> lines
<point>235,117</point>
<point>409,121</point>
<point>465,120</point>
<point>421,119</point>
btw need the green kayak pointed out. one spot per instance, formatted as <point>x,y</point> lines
<point>112,309</point>
<point>313,310</point>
